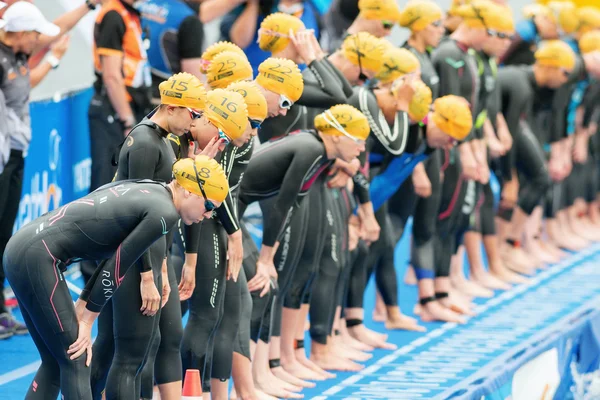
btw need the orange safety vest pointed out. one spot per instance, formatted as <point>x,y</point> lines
<point>136,71</point>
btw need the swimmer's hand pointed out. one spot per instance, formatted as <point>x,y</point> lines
<point>262,279</point>
<point>84,337</point>
<point>235,255</point>
<point>166,286</point>
<point>150,295</point>
<point>188,278</point>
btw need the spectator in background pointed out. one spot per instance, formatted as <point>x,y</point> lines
<point>337,21</point>
<point>122,87</point>
<point>377,17</point>
<point>26,33</point>
<point>241,25</point>
<point>176,35</point>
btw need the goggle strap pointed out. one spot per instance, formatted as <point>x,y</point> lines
<point>335,123</point>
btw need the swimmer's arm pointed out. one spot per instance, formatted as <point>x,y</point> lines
<point>326,91</point>
<point>149,230</point>
<point>288,195</point>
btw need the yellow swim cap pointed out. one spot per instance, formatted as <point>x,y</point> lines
<point>215,49</point>
<point>455,6</point>
<point>589,19</point>
<point>420,102</point>
<point>380,10</point>
<point>565,15</point>
<point>227,111</point>
<point>367,47</point>
<point>228,67</point>
<point>281,76</point>
<point>486,14</point>
<point>418,14</point>
<point>555,53</point>
<point>257,105</point>
<point>396,63</point>
<point>183,90</point>
<point>273,35</point>
<point>343,120</point>
<point>210,174</point>
<point>590,42</point>
<point>452,115</point>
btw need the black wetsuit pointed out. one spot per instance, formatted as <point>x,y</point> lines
<point>146,153</point>
<point>207,303</point>
<point>279,176</point>
<point>118,223</point>
<point>518,95</point>
<point>457,68</point>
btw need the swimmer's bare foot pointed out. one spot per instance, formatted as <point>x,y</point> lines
<point>350,341</point>
<point>333,362</point>
<point>457,304</point>
<point>506,275</point>
<point>272,388</point>
<point>471,288</point>
<point>288,381</point>
<point>546,257</point>
<point>305,361</point>
<point>361,333</point>
<point>398,321</point>
<point>410,278</point>
<point>350,353</point>
<point>434,311</point>
<point>418,309</point>
<point>550,247</point>
<point>299,371</point>
<point>265,381</point>
<point>487,280</point>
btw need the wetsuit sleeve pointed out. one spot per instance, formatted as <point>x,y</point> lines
<point>324,91</point>
<point>302,162</point>
<point>560,105</point>
<point>514,104</point>
<point>190,37</point>
<point>591,103</point>
<point>227,213</point>
<point>346,86</point>
<point>192,238</point>
<point>142,158</point>
<point>154,224</point>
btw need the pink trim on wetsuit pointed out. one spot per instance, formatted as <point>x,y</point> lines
<point>312,180</point>
<point>87,202</point>
<point>448,211</point>
<point>55,285</point>
<point>446,160</point>
<point>118,278</point>
<point>61,214</point>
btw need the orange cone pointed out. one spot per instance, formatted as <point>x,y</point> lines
<point>192,388</point>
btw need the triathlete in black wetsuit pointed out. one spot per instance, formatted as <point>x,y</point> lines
<point>388,115</point>
<point>203,278</point>
<point>118,223</point>
<point>284,170</point>
<point>457,68</point>
<point>146,154</point>
<point>520,92</point>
